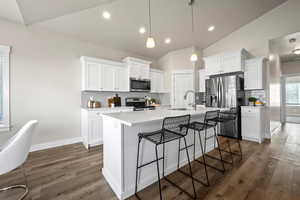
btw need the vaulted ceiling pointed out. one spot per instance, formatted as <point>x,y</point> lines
<point>171,18</point>
<point>284,47</point>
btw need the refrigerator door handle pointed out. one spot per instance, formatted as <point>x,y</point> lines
<point>218,93</point>
<point>221,93</point>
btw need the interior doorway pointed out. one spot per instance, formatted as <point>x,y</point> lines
<point>182,81</point>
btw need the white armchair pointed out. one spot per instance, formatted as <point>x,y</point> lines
<point>14,153</point>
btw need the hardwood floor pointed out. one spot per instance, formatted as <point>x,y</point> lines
<point>270,171</point>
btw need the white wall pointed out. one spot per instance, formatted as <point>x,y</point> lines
<point>289,68</point>
<point>46,77</point>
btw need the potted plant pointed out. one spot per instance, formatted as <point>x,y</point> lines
<point>252,101</point>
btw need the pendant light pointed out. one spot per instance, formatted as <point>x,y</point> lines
<point>194,56</point>
<point>150,40</point>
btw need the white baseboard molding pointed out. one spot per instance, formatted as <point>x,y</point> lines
<point>57,143</point>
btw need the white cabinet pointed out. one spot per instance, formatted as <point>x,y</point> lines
<point>108,77</point>
<point>91,124</point>
<point>226,62</point>
<point>137,68</point>
<point>202,78</point>
<point>254,123</point>
<point>104,75</point>
<point>121,79</point>
<point>213,64</point>
<point>255,74</point>
<point>157,81</point>
<point>91,76</point>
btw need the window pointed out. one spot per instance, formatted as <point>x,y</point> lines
<point>4,88</point>
<point>293,93</point>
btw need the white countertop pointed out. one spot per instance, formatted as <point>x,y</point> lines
<point>254,107</point>
<point>108,108</point>
<point>138,117</point>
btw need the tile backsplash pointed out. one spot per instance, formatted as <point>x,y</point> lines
<point>259,94</point>
<point>103,96</point>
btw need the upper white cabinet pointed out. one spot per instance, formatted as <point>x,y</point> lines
<point>202,78</point>
<point>213,64</point>
<point>226,62</point>
<point>137,68</point>
<point>255,73</point>
<point>121,79</point>
<point>91,76</point>
<point>157,81</point>
<point>104,75</point>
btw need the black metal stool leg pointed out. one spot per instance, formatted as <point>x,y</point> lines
<point>220,153</point>
<point>203,157</point>
<point>178,154</point>
<point>238,141</point>
<point>137,167</point>
<point>158,173</point>
<point>194,145</point>
<point>240,148</point>
<point>163,160</point>
<point>230,151</point>
<point>190,167</point>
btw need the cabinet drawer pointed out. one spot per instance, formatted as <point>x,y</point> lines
<point>94,114</point>
<point>246,111</point>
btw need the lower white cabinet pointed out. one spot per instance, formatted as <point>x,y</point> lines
<point>254,123</point>
<point>91,124</point>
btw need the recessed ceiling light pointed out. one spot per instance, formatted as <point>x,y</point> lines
<point>296,51</point>
<point>106,15</point>
<point>168,40</point>
<point>142,30</point>
<point>211,28</point>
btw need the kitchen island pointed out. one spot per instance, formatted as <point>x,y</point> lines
<point>120,138</point>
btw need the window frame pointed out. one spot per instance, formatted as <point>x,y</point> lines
<point>298,94</point>
<point>5,122</point>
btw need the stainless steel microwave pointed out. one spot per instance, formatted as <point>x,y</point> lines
<point>139,85</point>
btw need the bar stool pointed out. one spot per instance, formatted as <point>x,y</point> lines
<point>230,117</point>
<point>173,128</point>
<point>208,123</point>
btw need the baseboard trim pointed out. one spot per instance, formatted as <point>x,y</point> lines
<point>57,143</point>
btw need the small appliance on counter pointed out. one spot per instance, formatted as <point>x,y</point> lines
<point>93,104</point>
<point>117,101</point>
<point>114,101</point>
<point>138,103</point>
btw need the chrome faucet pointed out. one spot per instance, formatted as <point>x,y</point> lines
<point>185,97</point>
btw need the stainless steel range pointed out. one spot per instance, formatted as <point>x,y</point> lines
<point>138,103</point>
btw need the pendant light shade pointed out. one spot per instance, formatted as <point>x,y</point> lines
<point>194,57</point>
<point>150,40</point>
<point>296,51</point>
<point>150,43</point>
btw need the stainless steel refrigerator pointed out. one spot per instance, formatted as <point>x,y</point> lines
<point>226,91</point>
